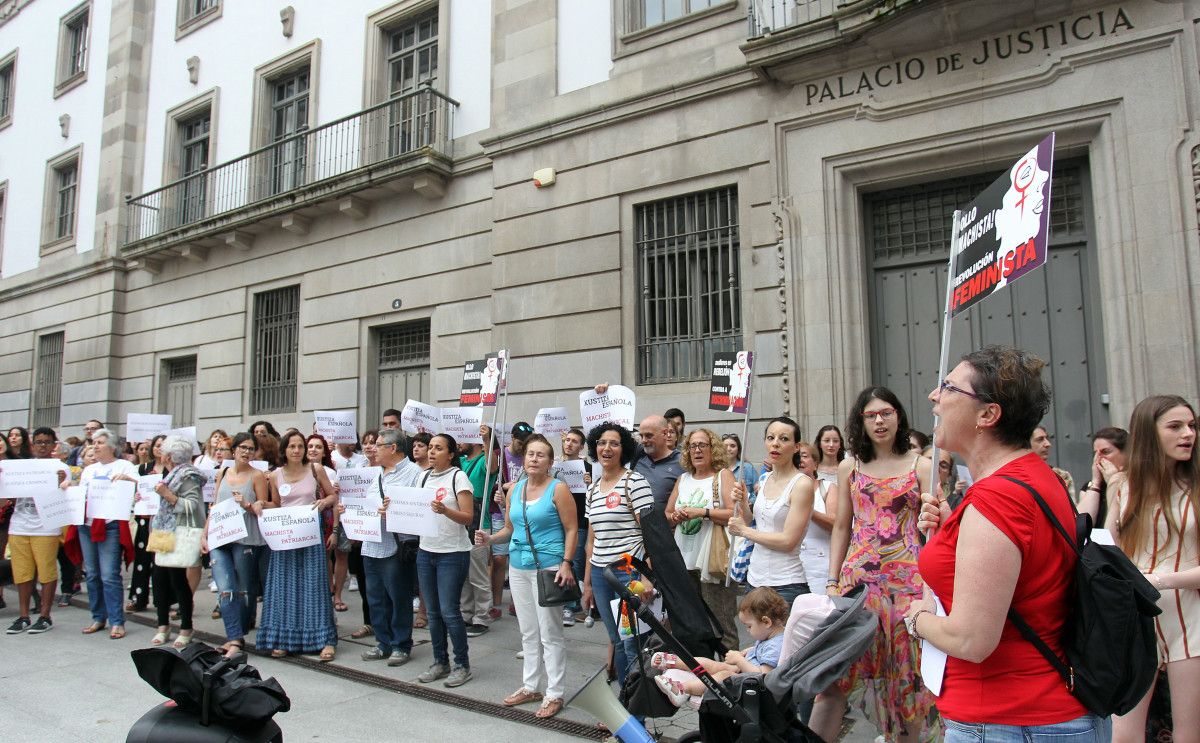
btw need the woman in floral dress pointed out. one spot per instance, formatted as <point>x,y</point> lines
<point>875,543</point>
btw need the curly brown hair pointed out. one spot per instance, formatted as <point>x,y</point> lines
<point>720,457</point>
<point>765,602</point>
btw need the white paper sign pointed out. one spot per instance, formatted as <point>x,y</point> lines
<point>463,424</point>
<point>226,523</point>
<point>418,417</point>
<point>26,478</point>
<point>616,405</point>
<point>145,500</point>
<point>551,421</point>
<point>189,433</point>
<point>60,508</point>
<point>409,511</point>
<point>209,490</point>
<point>933,661</point>
<point>145,426</point>
<point>337,426</point>
<point>360,496</point>
<point>290,528</point>
<point>571,473</point>
<point>111,500</point>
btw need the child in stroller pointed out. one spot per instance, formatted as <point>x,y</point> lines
<point>770,621</point>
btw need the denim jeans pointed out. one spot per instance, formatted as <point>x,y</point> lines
<point>624,649</point>
<point>790,591</point>
<point>235,569</point>
<point>259,561</point>
<point>1086,729</point>
<point>389,592</point>
<point>579,563</point>
<point>103,563</point>
<point>442,575</point>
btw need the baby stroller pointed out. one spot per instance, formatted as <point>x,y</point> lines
<point>756,707</point>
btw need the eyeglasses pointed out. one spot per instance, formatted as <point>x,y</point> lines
<point>226,448</point>
<point>246,448</point>
<point>947,387</point>
<point>699,446</point>
<point>44,442</point>
<point>886,414</point>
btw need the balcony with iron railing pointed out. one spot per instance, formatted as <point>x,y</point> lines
<point>404,143</point>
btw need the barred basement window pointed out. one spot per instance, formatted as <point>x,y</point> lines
<point>689,285</point>
<point>404,345</point>
<point>402,371</point>
<point>47,395</point>
<point>276,351</point>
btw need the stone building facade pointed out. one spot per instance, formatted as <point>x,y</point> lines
<point>741,174</point>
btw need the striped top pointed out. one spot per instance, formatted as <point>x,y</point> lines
<point>1178,627</point>
<point>611,521</point>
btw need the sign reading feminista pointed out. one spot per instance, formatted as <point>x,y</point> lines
<point>472,383</point>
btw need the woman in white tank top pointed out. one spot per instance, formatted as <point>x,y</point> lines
<point>814,549</point>
<point>781,511</point>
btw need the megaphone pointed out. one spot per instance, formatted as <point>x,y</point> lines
<point>597,699</point>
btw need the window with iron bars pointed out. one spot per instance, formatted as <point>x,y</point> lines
<point>7,75</point>
<point>412,62</point>
<point>640,14</point>
<point>404,345</point>
<point>47,394</point>
<point>688,281</point>
<point>276,351</point>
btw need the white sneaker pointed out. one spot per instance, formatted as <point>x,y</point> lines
<point>353,584</point>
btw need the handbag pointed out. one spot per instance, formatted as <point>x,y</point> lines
<point>160,540</point>
<point>185,552</point>
<point>550,593</point>
<point>718,548</point>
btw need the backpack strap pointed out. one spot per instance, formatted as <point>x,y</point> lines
<point>1064,670</point>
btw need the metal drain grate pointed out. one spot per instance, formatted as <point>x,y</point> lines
<point>558,725</point>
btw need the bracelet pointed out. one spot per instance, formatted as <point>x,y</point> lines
<point>831,582</point>
<point>912,628</point>
<point>706,514</point>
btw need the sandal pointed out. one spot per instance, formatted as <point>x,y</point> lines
<point>664,660</point>
<point>328,653</point>
<point>521,696</point>
<point>277,653</point>
<point>672,689</point>
<point>216,612</point>
<point>233,648</point>
<point>550,708</point>
<point>421,621</point>
<point>182,641</point>
<point>131,607</point>
<point>93,628</point>
<point>340,606</point>
<point>361,632</point>
<point>117,632</point>
<point>160,638</point>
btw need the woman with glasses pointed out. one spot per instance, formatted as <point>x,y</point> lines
<point>875,543</point>
<point>700,504</point>
<point>209,459</point>
<point>743,471</point>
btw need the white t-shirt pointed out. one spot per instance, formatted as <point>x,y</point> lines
<point>451,536</point>
<point>205,462</point>
<point>25,520</point>
<point>98,471</point>
<point>354,460</point>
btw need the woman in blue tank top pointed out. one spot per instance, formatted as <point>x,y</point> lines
<point>540,509</point>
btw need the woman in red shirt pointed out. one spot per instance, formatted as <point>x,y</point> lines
<point>998,550</point>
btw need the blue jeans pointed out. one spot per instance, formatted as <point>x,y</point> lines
<point>103,563</point>
<point>389,594</point>
<point>1086,729</point>
<point>260,560</point>
<point>624,649</point>
<point>790,591</point>
<point>579,563</point>
<point>235,569</point>
<point>441,575</point>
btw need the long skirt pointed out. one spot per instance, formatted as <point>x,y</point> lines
<point>297,613</point>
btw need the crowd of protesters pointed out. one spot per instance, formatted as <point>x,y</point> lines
<point>864,508</point>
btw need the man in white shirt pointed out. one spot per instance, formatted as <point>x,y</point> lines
<point>35,547</point>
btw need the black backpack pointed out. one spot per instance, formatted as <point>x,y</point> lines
<point>1112,656</point>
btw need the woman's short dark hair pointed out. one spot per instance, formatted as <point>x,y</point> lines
<point>796,435</point>
<point>241,438</point>
<point>421,437</point>
<point>1118,437</point>
<point>628,445</point>
<point>858,442</point>
<point>1012,379</point>
<point>270,429</point>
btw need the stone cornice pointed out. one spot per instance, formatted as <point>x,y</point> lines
<point>30,282</point>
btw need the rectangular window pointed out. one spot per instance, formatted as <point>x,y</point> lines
<point>73,48</point>
<point>403,364</point>
<point>3,214</point>
<point>193,160</point>
<point>276,351</point>
<point>412,63</point>
<point>289,117</point>
<point>190,10</point>
<point>8,75</point>
<point>688,283</point>
<point>66,186</point>
<point>47,395</point>
<point>640,14</point>
<point>179,390</point>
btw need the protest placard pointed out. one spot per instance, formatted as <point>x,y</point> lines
<point>729,389</point>
<point>291,527</point>
<point>551,421</point>
<point>463,424</point>
<point>226,523</point>
<point>472,383</point>
<point>616,404</point>
<point>359,493</point>
<point>60,508</point>
<point>209,489</point>
<point>145,499</point>
<point>493,378</point>
<point>409,511</point>
<point>26,478</point>
<point>417,417</point>
<point>189,433</point>
<point>145,426</point>
<point>337,426</point>
<point>111,500</point>
<point>571,473</point>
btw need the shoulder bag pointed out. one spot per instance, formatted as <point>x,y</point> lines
<point>718,548</point>
<point>185,551</point>
<point>550,593</point>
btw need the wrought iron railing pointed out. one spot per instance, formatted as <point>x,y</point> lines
<point>418,122</point>
<point>772,16</point>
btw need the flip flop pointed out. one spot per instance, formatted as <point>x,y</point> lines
<point>340,606</point>
<point>93,628</point>
<point>233,648</point>
<point>328,653</point>
<point>117,632</point>
<point>160,638</point>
